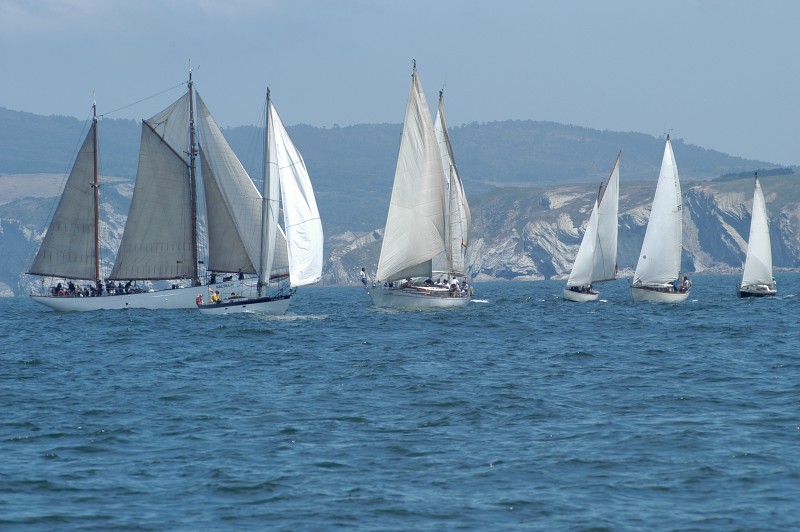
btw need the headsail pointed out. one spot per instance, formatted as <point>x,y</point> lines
<point>758,264</point>
<point>660,258</point>
<point>415,225</point>
<point>605,253</point>
<point>597,255</point>
<point>583,266</point>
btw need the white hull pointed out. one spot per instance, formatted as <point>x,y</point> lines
<point>579,297</point>
<point>275,306</point>
<point>639,293</point>
<point>757,290</point>
<point>177,298</point>
<point>412,298</point>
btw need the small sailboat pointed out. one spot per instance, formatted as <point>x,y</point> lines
<point>596,260</point>
<point>428,224</point>
<point>243,223</point>
<point>658,272</point>
<point>757,278</point>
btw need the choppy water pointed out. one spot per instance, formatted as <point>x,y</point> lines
<point>523,411</point>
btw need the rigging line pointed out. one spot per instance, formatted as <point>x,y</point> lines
<point>142,100</point>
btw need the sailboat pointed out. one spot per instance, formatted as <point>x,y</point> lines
<point>596,260</point>
<point>757,278</point>
<point>246,222</point>
<point>160,240</point>
<point>658,272</point>
<point>428,223</point>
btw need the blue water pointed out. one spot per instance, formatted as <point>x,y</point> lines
<point>520,412</point>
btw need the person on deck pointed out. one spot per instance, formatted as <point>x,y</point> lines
<point>363,274</point>
<point>215,297</point>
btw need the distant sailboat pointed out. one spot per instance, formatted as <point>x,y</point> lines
<point>244,223</point>
<point>596,260</point>
<point>757,278</point>
<point>427,227</point>
<point>658,272</point>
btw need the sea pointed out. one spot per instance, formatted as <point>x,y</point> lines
<point>520,411</point>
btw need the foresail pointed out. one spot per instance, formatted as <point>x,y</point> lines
<point>300,214</point>
<point>582,268</point>
<point>233,204</point>
<point>68,248</point>
<point>660,258</point>
<point>758,264</point>
<point>605,254</point>
<point>415,225</point>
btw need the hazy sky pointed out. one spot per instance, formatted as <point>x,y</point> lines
<point>722,74</point>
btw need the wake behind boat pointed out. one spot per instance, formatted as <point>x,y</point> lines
<point>596,260</point>
<point>757,280</point>
<point>254,231</point>
<point>428,223</point>
<point>658,272</point>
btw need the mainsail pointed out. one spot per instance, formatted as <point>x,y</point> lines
<point>758,264</point>
<point>70,247</point>
<point>158,239</point>
<point>415,225</point>
<point>660,258</point>
<point>458,219</point>
<point>300,215</point>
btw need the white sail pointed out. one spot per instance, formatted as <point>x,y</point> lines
<point>597,255</point>
<point>583,267</point>
<point>233,204</point>
<point>605,253</point>
<point>300,215</point>
<point>660,258</point>
<point>458,218</point>
<point>157,242</point>
<point>758,264</point>
<point>69,247</point>
<point>415,225</point>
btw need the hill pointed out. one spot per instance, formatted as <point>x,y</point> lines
<point>529,183</point>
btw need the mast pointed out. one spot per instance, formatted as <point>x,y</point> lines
<point>448,198</point>
<point>193,182</point>
<point>96,187</point>
<point>262,257</point>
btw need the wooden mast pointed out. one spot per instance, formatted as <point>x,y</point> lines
<point>96,187</point>
<point>193,183</point>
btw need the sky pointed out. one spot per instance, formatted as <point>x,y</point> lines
<point>721,74</point>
